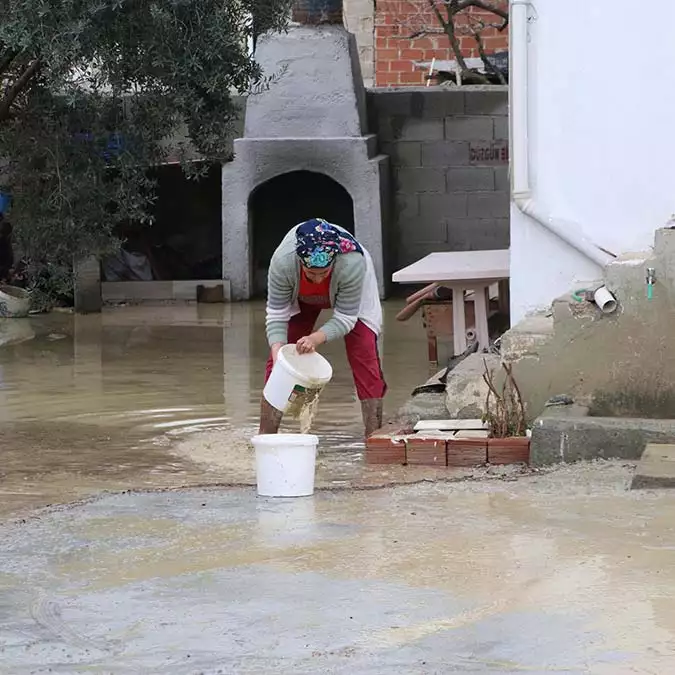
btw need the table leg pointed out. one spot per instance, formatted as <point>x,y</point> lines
<point>458,320</point>
<point>480,303</point>
<point>432,345</point>
<point>504,297</point>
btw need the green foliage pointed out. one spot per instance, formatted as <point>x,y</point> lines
<point>90,90</point>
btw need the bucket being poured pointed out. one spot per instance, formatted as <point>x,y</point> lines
<point>285,464</point>
<point>294,375</point>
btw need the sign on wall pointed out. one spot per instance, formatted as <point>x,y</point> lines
<point>496,152</point>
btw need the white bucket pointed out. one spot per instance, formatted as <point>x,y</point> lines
<point>285,464</point>
<point>14,302</point>
<point>293,374</point>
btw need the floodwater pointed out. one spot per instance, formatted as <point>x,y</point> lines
<point>391,570</point>
<point>162,396</point>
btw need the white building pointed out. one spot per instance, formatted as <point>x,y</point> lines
<point>592,121</point>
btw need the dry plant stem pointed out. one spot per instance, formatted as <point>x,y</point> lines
<point>522,422</point>
<point>506,416</point>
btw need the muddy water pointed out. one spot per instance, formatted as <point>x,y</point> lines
<point>158,396</point>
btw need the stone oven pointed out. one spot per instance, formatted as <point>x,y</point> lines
<point>305,152</point>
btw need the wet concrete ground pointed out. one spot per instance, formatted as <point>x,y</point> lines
<point>473,572</point>
<point>558,573</point>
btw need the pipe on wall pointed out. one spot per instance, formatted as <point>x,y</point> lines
<point>569,232</point>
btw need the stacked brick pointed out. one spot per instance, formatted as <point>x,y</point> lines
<point>407,33</point>
<point>393,445</point>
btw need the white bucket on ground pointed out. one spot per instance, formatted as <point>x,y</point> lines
<point>293,374</point>
<point>14,302</point>
<point>285,464</point>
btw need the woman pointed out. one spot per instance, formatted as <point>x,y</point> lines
<point>321,266</point>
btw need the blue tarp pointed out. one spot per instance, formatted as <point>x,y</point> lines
<point>5,201</point>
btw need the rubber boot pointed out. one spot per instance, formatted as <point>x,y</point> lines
<point>270,418</point>
<point>371,409</point>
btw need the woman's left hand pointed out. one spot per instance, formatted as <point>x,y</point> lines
<point>308,344</point>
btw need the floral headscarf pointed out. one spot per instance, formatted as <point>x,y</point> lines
<point>318,242</point>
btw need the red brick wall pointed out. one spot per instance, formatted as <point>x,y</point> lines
<point>396,52</point>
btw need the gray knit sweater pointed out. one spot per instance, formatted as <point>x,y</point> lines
<point>283,282</point>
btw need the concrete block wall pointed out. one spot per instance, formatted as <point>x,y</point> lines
<point>449,159</point>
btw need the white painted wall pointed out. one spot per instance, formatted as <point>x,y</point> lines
<point>602,139</point>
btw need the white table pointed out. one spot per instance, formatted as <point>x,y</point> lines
<point>464,271</point>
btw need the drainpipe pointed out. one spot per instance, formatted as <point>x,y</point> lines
<point>569,232</point>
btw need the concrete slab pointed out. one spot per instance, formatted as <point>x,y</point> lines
<point>137,291</point>
<point>471,433</point>
<point>450,425</point>
<point>656,468</point>
<point>557,437</point>
<point>417,580</point>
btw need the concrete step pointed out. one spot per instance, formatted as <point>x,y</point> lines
<point>656,468</point>
<point>527,337</point>
<point>626,278</point>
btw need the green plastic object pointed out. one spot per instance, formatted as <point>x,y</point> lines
<point>650,291</point>
<point>577,295</point>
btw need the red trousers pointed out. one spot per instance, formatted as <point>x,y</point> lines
<point>362,353</point>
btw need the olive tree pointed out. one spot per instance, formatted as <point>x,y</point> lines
<point>90,90</point>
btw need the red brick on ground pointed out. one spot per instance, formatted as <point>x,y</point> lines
<point>467,452</point>
<point>426,451</point>
<point>508,450</point>
<point>387,445</point>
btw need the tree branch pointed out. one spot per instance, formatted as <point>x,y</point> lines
<point>489,66</point>
<point>480,4</point>
<point>424,33</point>
<point>7,59</point>
<point>18,86</point>
<point>437,12</point>
<point>449,28</point>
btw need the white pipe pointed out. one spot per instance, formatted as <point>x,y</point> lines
<point>520,166</point>
<point>569,232</point>
<point>605,300</point>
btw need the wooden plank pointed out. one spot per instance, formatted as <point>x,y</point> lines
<point>450,425</point>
